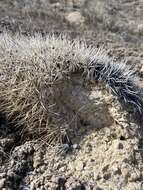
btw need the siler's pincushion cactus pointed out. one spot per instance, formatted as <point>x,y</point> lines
<point>34,71</point>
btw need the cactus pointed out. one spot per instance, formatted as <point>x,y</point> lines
<point>34,72</point>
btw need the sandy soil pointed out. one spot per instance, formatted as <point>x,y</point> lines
<point>105,158</point>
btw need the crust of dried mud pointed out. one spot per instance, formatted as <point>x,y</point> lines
<point>109,157</point>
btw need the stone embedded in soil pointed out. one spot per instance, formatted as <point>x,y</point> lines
<point>37,160</point>
<point>74,184</point>
<point>75,18</point>
<point>76,146</point>
<point>79,166</point>
<point>141,70</point>
<point>36,163</point>
<point>140,28</point>
<point>2,181</point>
<point>125,173</point>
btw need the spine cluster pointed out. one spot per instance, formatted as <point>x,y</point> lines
<point>119,79</point>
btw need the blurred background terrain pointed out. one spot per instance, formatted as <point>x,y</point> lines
<point>117,25</point>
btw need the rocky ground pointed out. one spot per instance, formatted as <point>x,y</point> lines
<point>106,157</point>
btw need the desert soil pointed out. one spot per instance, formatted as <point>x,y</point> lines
<point>106,157</point>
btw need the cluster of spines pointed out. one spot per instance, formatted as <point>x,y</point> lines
<point>119,79</point>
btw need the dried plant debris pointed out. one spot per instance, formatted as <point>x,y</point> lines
<point>40,78</point>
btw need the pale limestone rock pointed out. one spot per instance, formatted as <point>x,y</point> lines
<point>75,18</point>
<point>79,166</point>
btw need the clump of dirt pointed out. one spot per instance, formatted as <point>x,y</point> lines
<point>104,158</point>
